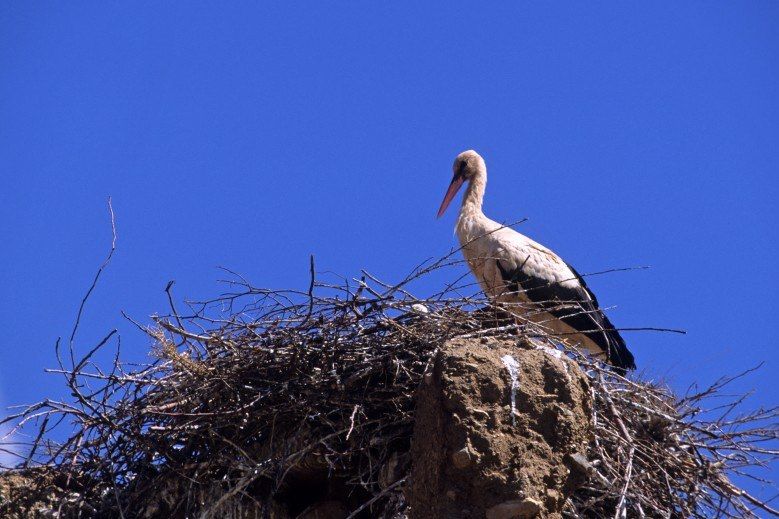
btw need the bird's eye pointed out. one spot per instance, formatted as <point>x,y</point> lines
<point>461,169</point>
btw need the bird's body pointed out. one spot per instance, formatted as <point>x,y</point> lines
<point>527,278</point>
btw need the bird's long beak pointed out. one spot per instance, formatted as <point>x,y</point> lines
<point>454,187</point>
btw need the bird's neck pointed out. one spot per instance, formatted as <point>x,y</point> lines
<point>474,196</point>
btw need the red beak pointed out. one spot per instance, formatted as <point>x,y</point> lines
<point>454,187</point>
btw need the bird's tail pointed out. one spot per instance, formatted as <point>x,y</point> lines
<point>619,355</point>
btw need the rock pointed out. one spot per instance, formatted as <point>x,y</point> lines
<point>525,508</point>
<point>579,463</point>
<point>581,470</point>
<point>462,458</point>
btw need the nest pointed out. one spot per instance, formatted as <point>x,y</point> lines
<point>259,392</point>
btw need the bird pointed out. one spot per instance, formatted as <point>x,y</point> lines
<point>529,279</point>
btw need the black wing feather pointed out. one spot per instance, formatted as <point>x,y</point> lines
<point>577,307</point>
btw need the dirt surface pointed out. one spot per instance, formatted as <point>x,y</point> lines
<point>37,494</point>
<point>472,458</point>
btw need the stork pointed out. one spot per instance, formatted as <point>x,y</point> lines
<point>531,280</point>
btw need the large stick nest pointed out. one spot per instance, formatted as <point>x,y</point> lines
<point>250,389</point>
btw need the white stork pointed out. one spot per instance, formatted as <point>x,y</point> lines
<point>532,280</point>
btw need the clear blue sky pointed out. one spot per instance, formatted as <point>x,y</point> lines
<point>250,136</point>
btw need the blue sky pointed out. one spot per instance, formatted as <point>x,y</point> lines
<point>255,134</point>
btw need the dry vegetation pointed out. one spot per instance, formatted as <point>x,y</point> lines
<point>249,389</point>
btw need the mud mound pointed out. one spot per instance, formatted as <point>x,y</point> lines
<point>475,454</point>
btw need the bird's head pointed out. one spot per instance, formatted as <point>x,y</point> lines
<point>466,166</point>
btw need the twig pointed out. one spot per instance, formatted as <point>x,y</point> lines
<point>375,498</point>
<point>94,281</point>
